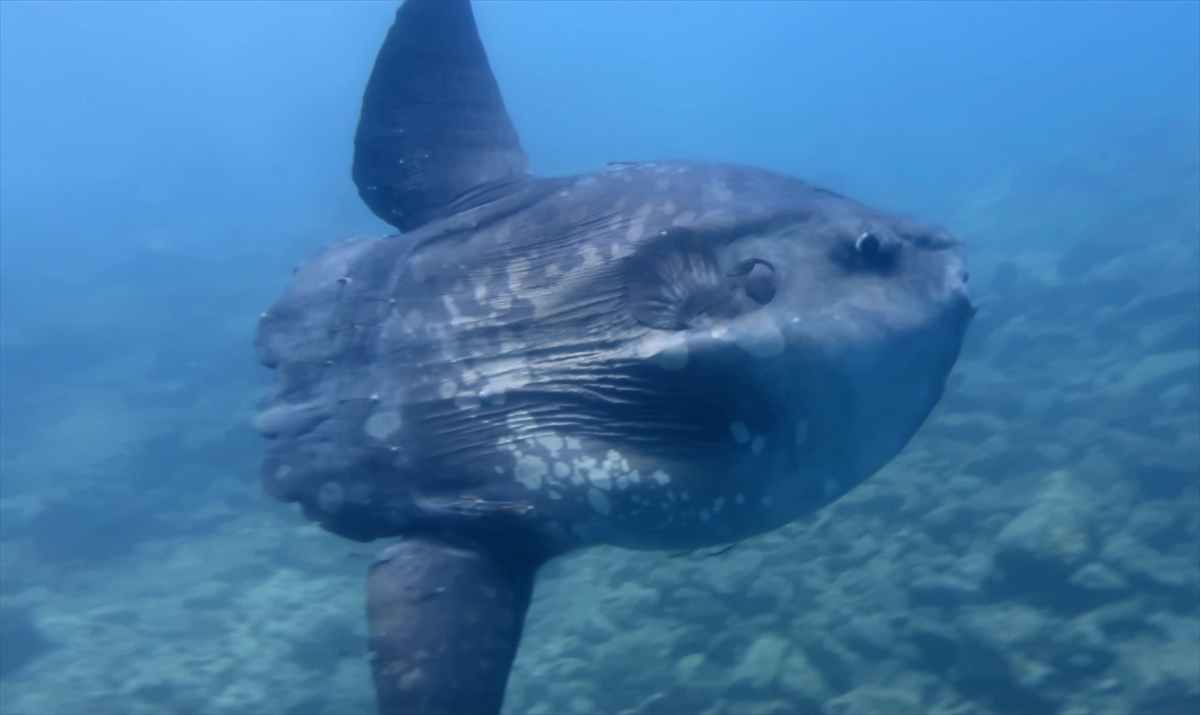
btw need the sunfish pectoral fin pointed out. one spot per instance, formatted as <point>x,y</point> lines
<point>445,619</point>
<point>433,124</point>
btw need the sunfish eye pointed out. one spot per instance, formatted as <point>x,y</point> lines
<point>867,245</point>
<point>761,282</point>
<point>758,279</point>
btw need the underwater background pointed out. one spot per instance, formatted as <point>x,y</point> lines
<point>1036,548</point>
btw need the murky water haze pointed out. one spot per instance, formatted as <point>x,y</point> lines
<point>163,166</point>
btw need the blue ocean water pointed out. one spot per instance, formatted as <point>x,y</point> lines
<point>1036,548</point>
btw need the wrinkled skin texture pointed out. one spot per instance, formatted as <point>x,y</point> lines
<point>657,356</point>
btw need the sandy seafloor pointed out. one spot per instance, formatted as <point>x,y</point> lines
<point>1036,548</point>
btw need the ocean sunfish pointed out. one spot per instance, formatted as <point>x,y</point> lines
<point>656,356</point>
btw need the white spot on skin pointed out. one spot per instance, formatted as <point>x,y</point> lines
<point>687,218</point>
<point>741,433</point>
<point>591,257</point>
<point>762,340</point>
<point>518,269</point>
<point>831,487</point>
<point>561,470</point>
<point>599,477</point>
<point>738,498</point>
<point>599,502</point>
<point>717,192</point>
<point>704,516</point>
<point>720,502</point>
<point>530,471</point>
<point>801,433</point>
<point>614,224</point>
<point>503,375</point>
<point>552,442</point>
<point>637,226</point>
<point>456,317</point>
<point>414,320</point>
<point>283,472</point>
<point>382,424</point>
<point>329,498</point>
<point>662,478</point>
<point>667,350</point>
<point>720,217</point>
<point>766,501</point>
<point>480,291</point>
<point>555,495</point>
<point>467,401</point>
<point>756,447</point>
<point>447,389</point>
<point>674,356</point>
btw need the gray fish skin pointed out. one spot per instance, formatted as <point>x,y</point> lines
<point>488,368</point>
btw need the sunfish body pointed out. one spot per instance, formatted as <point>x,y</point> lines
<point>657,356</point>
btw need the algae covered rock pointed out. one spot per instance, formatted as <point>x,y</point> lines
<point>21,641</point>
<point>799,678</point>
<point>1053,536</point>
<point>762,663</point>
<point>1098,577</point>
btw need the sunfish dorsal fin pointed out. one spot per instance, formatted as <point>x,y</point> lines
<point>433,124</point>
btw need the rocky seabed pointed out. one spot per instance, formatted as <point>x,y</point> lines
<point>1036,549</point>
